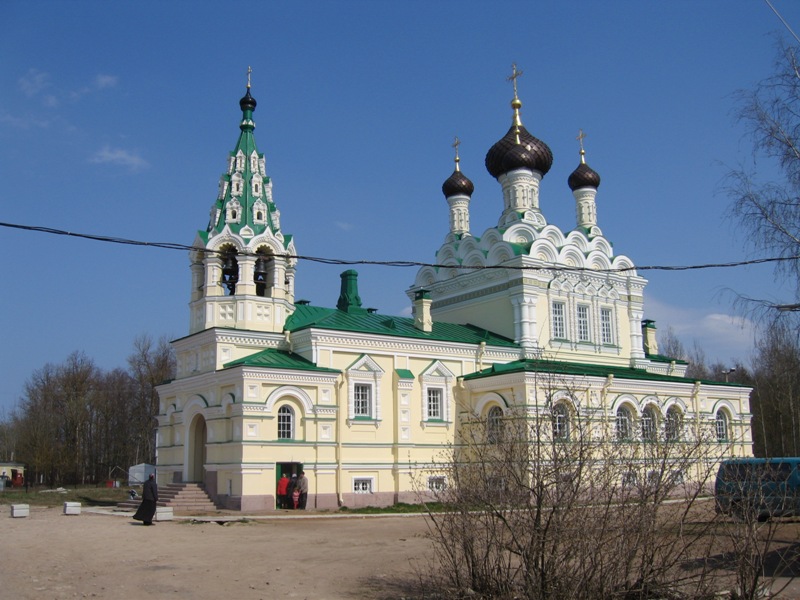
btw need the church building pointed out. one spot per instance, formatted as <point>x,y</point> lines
<point>364,402</point>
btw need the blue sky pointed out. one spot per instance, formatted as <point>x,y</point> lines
<point>116,119</point>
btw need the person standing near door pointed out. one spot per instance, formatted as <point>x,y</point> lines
<point>283,486</point>
<point>302,485</point>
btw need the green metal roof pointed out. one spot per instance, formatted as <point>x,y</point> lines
<point>277,359</point>
<point>665,359</point>
<point>588,370</point>
<point>245,197</point>
<point>306,317</point>
<point>404,374</point>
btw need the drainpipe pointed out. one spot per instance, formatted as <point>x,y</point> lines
<point>340,431</point>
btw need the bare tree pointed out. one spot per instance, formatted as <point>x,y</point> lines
<point>152,363</point>
<point>768,210</point>
<point>544,507</point>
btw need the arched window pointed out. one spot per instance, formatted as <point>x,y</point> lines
<point>674,424</point>
<point>722,426</point>
<point>494,424</point>
<point>624,423</point>
<point>649,424</point>
<point>285,423</point>
<point>560,422</point>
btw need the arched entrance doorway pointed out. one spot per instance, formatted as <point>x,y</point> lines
<point>197,450</point>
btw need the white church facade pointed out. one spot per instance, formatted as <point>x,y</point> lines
<point>364,402</point>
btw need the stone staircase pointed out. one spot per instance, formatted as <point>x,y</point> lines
<point>182,497</point>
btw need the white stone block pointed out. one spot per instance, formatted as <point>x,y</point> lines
<point>164,513</point>
<point>20,510</point>
<point>72,508</point>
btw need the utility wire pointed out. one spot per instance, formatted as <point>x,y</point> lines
<point>785,24</point>
<point>401,263</point>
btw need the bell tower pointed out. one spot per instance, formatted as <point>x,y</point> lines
<point>243,266</point>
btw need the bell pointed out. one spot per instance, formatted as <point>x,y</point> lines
<point>261,269</point>
<point>229,266</point>
<point>230,272</point>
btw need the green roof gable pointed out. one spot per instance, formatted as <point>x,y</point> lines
<point>277,359</point>
<point>307,317</point>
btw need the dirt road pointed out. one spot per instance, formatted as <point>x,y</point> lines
<point>50,555</point>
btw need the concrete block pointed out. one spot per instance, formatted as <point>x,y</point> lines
<point>164,513</point>
<point>72,508</point>
<point>20,510</point>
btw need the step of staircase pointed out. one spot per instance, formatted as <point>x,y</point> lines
<point>182,497</point>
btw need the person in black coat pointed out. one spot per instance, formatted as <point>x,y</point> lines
<point>147,509</point>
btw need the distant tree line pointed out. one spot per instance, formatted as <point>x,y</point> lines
<point>76,423</point>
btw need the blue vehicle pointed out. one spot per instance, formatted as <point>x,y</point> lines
<point>758,487</point>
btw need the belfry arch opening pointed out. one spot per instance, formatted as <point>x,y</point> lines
<point>230,269</point>
<point>198,433</point>
<point>264,272</point>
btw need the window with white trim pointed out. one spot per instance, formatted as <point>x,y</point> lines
<point>560,422</point>
<point>362,400</point>
<point>624,423</point>
<point>583,323</point>
<point>559,324</point>
<point>285,423</point>
<point>606,329</point>
<point>673,424</point>
<point>494,425</point>
<point>437,384</point>
<point>435,397</point>
<point>437,483</point>
<point>362,485</point>
<point>649,424</point>
<point>722,426</point>
<point>363,387</point>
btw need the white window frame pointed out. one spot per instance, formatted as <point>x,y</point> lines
<point>363,485</point>
<point>494,424</point>
<point>722,425</point>
<point>437,483</point>
<point>606,326</point>
<point>259,207</point>
<point>649,422</point>
<point>435,405</point>
<point>559,319</point>
<point>365,371</point>
<point>561,424</point>
<point>584,329</point>
<point>623,425</point>
<point>437,377</point>
<point>673,424</point>
<point>282,414</point>
<point>362,407</point>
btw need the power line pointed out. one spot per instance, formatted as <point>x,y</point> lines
<point>401,263</point>
<point>785,24</point>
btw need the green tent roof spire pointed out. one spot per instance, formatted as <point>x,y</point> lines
<point>244,203</point>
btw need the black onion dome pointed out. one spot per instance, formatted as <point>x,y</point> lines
<point>583,176</point>
<point>247,102</point>
<point>507,155</point>
<point>457,185</point>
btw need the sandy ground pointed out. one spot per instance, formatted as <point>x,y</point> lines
<point>50,555</point>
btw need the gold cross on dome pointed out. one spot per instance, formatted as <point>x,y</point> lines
<point>456,144</point>
<point>249,70</point>
<point>580,137</point>
<point>513,77</point>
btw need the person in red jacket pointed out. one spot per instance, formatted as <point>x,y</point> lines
<point>283,486</point>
